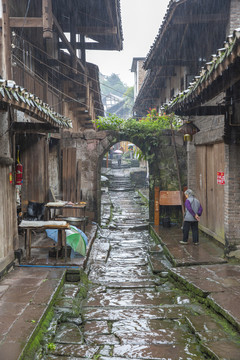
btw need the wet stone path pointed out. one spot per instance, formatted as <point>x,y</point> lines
<point>128,312</point>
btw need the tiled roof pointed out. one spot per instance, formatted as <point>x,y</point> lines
<point>25,101</point>
<point>172,4</point>
<point>210,72</point>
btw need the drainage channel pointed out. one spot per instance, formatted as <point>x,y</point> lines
<point>120,309</point>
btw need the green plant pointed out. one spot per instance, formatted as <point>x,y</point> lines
<point>147,130</point>
<point>51,346</point>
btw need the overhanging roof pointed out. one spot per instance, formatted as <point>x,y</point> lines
<point>100,20</point>
<point>184,21</point>
<point>22,100</point>
<point>216,76</point>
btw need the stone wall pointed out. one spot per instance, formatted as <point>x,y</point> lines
<point>92,146</point>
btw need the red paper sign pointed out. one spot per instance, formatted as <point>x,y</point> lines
<point>220,178</point>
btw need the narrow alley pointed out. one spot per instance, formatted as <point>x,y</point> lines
<point>129,312</point>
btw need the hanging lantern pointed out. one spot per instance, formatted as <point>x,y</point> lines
<point>188,129</point>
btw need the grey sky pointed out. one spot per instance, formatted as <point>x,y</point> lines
<point>141,20</point>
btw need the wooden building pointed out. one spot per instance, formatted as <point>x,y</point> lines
<point>184,63</point>
<point>43,53</point>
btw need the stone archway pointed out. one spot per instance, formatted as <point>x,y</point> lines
<point>90,148</point>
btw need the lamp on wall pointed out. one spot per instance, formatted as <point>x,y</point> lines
<point>188,129</point>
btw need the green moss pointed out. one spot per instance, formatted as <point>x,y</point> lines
<point>36,339</point>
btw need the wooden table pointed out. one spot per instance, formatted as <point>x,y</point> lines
<point>29,226</point>
<point>63,205</point>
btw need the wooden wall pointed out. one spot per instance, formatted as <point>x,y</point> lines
<point>8,218</point>
<point>34,159</point>
<point>210,159</point>
<point>71,177</point>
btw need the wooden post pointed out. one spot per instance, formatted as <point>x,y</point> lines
<point>156,205</point>
<point>178,169</point>
<point>47,19</point>
<point>6,42</point>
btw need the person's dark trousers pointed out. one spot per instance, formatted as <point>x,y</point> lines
<point>186,228</point>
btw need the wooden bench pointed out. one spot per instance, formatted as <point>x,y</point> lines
<point>29,226</point>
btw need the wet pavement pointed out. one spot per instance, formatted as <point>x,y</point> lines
<point>146,299</point>
<point>25,294</point>
<point>204,271</point>
<point>131,311</point>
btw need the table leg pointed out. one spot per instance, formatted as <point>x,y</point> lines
<point>28,243</point>
<point>64,244</point>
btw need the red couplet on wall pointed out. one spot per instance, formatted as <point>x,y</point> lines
<point>220,178</point>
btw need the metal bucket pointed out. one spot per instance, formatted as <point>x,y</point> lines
<point>75,221</point>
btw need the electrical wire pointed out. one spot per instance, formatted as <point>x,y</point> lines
<point>53,87</point>
<point>57,71</point>
<point>70,67</point>
<point>25,17</point>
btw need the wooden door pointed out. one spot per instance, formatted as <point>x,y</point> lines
<point>210,159</point>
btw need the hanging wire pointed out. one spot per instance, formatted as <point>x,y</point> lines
<point>25,16</point>
<point>68,66</point>
<point>53,87</point>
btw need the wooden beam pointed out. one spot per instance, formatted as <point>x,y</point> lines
<point>66,42</point>
<point>91,46</point>
<point>47,19</point>
<point>19,22</point>
<point>30,127</point>
<point>199,19</point>
<point>96,30</point>
<point>202,110</point>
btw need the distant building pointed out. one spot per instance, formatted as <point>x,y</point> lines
<point>139,74</point>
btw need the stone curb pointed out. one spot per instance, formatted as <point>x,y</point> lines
<point>190,286</point>
<point>35,331</point>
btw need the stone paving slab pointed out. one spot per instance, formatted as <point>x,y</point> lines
<point>220,284</point>
<point>131,297</point>
<point>25,295</point>
<point>156,264</point>
<point>185,255</point>
<point>118,314</point>
<point>156,352</point>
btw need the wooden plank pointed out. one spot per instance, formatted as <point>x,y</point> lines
<point>201,180</point>
<point>200,19</point>
<point>156,206</point>
<point>78,180</point>
<point>170,198</point>
<point>66,42</point>
<point>30,127</point>
<point>64,173</point>
<point>29,22</point>
<point>96,30</point>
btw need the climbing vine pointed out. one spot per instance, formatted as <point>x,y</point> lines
<point>148,129</point>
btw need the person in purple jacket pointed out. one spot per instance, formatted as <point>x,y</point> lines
<point>191,217</point>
